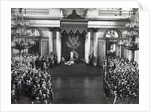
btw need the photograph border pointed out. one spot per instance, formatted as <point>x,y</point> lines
<point>5,53</point>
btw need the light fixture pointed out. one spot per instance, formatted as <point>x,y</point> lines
<point>133,31</point>
<point>20,40</point>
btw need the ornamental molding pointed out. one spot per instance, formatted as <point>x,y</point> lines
<point>44,23</point>
<point>74,29</point>
<point>107,24</point>
<point>42,13</point>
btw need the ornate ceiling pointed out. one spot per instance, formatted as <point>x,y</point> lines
<point>58,13</point>
<point>52,17</point>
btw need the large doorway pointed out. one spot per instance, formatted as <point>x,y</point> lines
<point>108,45</point>
<point>111,48</point>
<point>35,34</point>
<point>112,37</point>
<point>101,49</point>
<point>34,49</point>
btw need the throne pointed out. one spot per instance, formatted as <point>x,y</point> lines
<point>74,56</point>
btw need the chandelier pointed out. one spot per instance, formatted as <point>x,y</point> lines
<point>133,31</point>
<point>133,27</point>
<point>20,40</point>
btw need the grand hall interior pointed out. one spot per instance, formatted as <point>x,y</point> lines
<point>74,56</point>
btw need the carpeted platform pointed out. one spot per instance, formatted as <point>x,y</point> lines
<point>76,70</point>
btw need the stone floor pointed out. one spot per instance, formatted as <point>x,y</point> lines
<point>77,84</point>
<point>78,90</point>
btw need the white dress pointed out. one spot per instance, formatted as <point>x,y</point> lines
<point>71,61</point>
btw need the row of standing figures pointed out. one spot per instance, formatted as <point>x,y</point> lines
<point>120,82</point>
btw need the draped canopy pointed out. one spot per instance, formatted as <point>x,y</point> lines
<point>74,23</point>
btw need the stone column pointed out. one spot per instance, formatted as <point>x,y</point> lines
<point>120,49</point>
<point>133,54</point>
<point>50,40</point>
<point>95,45</point>
<point>58,45</point>
<point>87,45</point>
<point>136,56</point>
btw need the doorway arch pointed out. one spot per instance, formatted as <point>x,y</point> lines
<point>112,33</point>
<point>33,31</point>
<point>35,34</point>
<point>112,36</point>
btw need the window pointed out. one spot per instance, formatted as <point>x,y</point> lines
<point>111,34</point>
<point>32,32</point>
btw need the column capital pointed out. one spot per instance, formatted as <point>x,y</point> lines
<point>50,28</point>
<point>95,29</point>
<point>90,29</point>
<point>57,29</point>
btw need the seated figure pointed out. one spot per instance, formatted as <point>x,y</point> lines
<point>73,58</point>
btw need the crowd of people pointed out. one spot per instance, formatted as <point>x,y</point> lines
<point>121,80</point>
<point>29,78</point>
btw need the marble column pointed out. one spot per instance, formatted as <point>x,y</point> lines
<point>58,45</point>
<point>50,39</point>
<point>95,45</point>
<point>136,56</point>
<point>87,45</point>
<point>119,50</point>
<point>131,54</point>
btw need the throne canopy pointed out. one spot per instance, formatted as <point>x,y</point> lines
<point>74,23</point>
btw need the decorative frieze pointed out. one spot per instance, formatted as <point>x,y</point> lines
<point>109,14</point>
<point>107,24</point>
<point>31,13</point>
<point>44,23</point>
